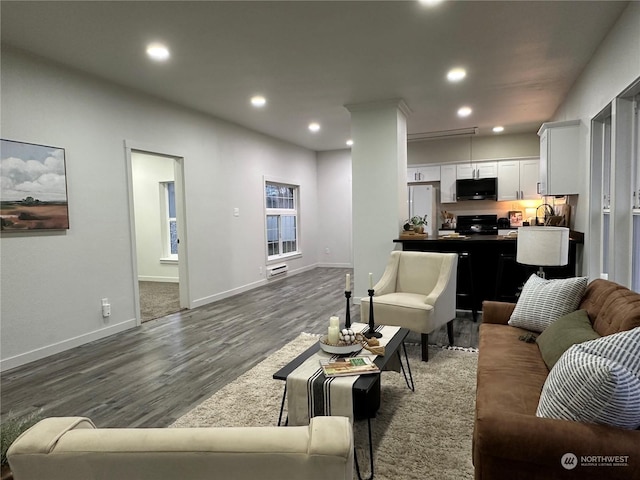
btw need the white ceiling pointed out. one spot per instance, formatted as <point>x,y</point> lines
<point>311,58</point>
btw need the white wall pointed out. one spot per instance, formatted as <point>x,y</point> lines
<point>613,68</point>
<point>148,172</point>
<point>334,208</point>
<point>473,148</point>
<point>52,283</point>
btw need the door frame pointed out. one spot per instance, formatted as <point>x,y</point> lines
<point>181,218</point>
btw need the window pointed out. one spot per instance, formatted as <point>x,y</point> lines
<point>614,212</point>
<point>606,193</point>
<point>169,225</point>
<point>635,166</point>
<point>281,210</point>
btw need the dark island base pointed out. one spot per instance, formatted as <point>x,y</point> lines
<point>494,273</point>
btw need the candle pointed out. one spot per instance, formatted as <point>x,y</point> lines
<point>370,281</point>
<point>333,335</point>
<point>347,287</point>
<point>334,322</point>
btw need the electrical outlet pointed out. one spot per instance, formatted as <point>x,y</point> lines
<point>326,251</point>
<point>106,308</point>
<point>260,270</point>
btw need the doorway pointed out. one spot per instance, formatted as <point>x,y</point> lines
<point>158,233</point>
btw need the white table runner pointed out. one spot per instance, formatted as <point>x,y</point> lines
<point>310,393</point>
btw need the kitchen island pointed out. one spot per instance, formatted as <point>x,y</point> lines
<point>487,265</point>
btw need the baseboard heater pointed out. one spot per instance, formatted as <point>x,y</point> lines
<point>277,270</point>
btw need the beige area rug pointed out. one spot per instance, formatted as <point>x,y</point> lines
<point>421,435</point>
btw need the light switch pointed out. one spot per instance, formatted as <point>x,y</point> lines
<point>236,212</point>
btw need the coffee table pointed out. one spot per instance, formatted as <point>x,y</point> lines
<point>366,389</point>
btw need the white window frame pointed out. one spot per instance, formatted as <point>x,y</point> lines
<point>616,257</point>
<point>280,213</point>
<point>635,209</point>
<point>165,224</point>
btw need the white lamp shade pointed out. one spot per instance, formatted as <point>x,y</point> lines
<point>543,246</point>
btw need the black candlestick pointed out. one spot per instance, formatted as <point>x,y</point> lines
<point>372,328</point>
<point>347,316</point>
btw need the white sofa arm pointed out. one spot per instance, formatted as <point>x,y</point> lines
<point>44,435</point>
<point>73,449</point>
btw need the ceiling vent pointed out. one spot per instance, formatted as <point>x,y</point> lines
<point>458,132</point>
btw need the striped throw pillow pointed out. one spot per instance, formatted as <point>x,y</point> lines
<point>596,382</point>
<point>544,301</point>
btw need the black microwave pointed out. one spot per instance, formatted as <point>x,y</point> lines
<point>477,189</point>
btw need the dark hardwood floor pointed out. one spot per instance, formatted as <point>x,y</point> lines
<point>151,375</point>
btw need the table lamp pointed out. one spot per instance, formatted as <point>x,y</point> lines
<point>543,247</point>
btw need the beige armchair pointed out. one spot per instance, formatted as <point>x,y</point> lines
<point>417,291</point>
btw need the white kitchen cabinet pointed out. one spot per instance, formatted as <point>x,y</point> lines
<point>430,173</point>
<point>518,179</point>
<point>448,184</point>
<point>559,161</point>
<point>477,170</point>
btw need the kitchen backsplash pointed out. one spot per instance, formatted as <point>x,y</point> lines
<point>502,209</point>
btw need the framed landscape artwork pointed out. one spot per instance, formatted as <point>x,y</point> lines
<point>34,187</point>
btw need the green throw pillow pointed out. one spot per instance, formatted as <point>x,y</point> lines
<point>573,328</point>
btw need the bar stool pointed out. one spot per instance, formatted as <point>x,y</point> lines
<point>465,290</point>
<point>507,267</point>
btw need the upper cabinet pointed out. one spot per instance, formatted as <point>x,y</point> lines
<point>448,184</point>
<point>518,179</point>
<point>429,173</point>
<point>559,162</point>
<point>477,170</point>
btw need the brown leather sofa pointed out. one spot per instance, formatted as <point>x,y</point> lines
<point>509,441</point>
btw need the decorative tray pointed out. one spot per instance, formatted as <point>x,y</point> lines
<point>338,349</point>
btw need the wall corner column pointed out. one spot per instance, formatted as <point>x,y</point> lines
<point>379,185</point>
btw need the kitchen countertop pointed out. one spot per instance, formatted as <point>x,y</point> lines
<point>574,236</point>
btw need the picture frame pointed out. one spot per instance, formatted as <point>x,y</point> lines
<point>515,218</point>
<point>34,187</point>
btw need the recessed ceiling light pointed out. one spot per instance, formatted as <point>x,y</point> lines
<point>498,129</point>
<point>158,52</point>
<point>349,142</point>
<point>456,74</point>
<point>430,3</point>
<point>258,101</point>
<point>464,111</point>
<point>314,127</point>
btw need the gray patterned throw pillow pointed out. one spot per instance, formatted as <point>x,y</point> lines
<point>596,382</point>
<point>544,301</point>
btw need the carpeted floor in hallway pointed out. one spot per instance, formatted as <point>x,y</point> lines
<point>158,299</point>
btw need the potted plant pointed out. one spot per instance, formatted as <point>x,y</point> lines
<point>12,427</point>
<point>418,223</point>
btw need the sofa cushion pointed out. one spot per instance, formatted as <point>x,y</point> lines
<point>575,327</point>
<point>544,301</point>
<point>502,385</point>
<point>596,382</point>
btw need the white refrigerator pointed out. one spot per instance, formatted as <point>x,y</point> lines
<point>422,201</point>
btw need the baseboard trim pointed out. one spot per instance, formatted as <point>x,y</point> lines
<point>40,353</point>
<point>335,265</point>
<point>199,302</point>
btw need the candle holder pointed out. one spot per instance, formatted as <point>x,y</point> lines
<point>347,315</point>
<point>371,333</point>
